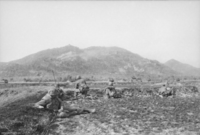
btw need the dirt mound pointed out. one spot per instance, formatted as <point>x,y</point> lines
<point>12,94</point>
<point>18,116</point>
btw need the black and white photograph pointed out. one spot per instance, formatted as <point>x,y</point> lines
<point>83,67</point>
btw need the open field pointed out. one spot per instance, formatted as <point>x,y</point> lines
<point>142,113</point>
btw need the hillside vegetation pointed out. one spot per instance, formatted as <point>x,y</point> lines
<point>92,61</point>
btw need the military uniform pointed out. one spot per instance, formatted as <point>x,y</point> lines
<point>61,96</point>
<point>52,100</point>
<point>166,91</point>
<point>72,111</point>
<point>110,90</point>
<point>81,85</point>
<point>161,90</point>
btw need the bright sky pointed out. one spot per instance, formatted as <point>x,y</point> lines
<point>159,30</point>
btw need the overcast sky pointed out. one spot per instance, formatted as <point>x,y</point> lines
<point>159,30</point>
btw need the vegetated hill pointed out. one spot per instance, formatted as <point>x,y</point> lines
<point>3,65</point>
<point>92,61</point>
<point>185,69</point>
<point>49,53</point>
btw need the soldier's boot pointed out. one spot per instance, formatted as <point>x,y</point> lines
<point>92,110</point>
<point>38,106</point>
<point>161,95</point>
<point>62,115</point>
<point>87,111</point>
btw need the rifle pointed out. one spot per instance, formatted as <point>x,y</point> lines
<point>54,77</point>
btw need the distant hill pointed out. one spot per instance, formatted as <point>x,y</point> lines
<point>92,61</point>
<point>182,68</point>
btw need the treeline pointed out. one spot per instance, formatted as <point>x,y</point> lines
<point>58,79</point>
<point>72,78</point>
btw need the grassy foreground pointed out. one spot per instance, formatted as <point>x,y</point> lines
<point>136,115</point>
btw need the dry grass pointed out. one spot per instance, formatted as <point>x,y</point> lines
<point>143,113</point>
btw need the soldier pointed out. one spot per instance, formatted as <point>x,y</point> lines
<point>82,87</point>
<point>52,100</point>
<point>61,95</point>
<point>110,90</point>
<point>5,80</point>
<point>166,91</point>
<point>162,90</point>
<point>66,113</point>
<point>67,110</point>
<point>170,91</point>
<point>79,80</point>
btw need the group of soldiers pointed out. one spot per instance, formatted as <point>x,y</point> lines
<point>54,98</point>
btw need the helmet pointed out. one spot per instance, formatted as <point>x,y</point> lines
<point>111,80</point>
<point>78,77</point>
<point>58,85</point>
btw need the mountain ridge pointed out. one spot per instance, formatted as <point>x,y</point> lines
<point>183,68</point>
<point>91,61</point>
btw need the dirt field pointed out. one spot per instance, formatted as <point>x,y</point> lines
<point>140,114</point>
